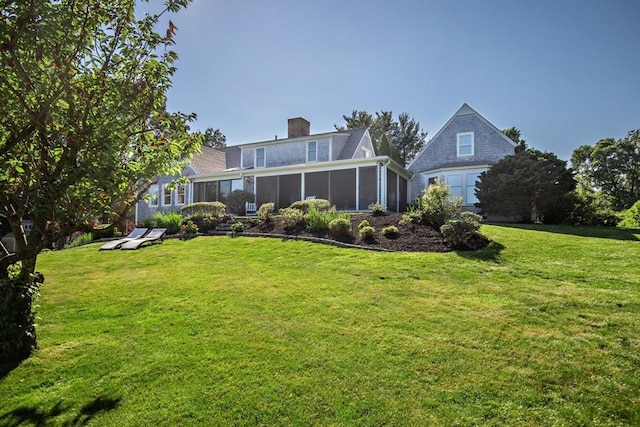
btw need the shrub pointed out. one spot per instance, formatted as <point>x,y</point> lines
<point>216,209</point>
<point>204,222</point>
<point>172,221</point>
<point>291,217</point>
<point>317,221</point>
<point>439,205</point>
<point>319,204</point>
<point>188,230</point>
<point>390,232</point>
<point>149,222</point>
<point>363,223</point>
<point>237,227</point>
<point>458,233</point>
<point>340,227</point>
<point>631,217</point>
<point>103,231</point>
<point>367,232</point>
<point>413,215</point>
<point>81,239</point>
<point>378,209</point>
<point>236,200</point>
<point>265,211</point>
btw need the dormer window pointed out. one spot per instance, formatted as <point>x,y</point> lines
<point>260,158</point>
<point>312,151</point>
<point>465,144</point>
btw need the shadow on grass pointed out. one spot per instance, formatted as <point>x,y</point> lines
<point>581,230</point>
<point>491,252</point>
<point>7,367</point>
<point>28,415</point>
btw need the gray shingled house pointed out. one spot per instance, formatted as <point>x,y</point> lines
<point>340,166</point>
<point>467,145</point>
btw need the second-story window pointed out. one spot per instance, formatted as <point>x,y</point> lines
<point>465,144</point>
<point>260,158</point>
<point>312,151</point>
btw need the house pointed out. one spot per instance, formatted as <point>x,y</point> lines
<point>340,166</point>
<point>467,145</point>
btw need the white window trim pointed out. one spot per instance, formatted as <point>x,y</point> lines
<point>458,144</point>
<point>154,201</point>
<point>316,151</point>
<point>264,158</point>
<point>162,194</point>
<point>177,198</point>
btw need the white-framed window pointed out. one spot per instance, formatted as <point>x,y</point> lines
<point>166,195</point>
<point>181,195</point>
<point>312,151</point>
<point>260,157</point>
<point>455,183</point>
<point>153,196</point>
<point>471,180</point>
<point>366,153</point>
<point>465,144</point>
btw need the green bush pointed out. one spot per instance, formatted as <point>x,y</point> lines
<point>413,215</point>
<point>318,221</point>
<point>172,221</point>
<point>631,217</point>
<point>378,209</point>
<point>149,223</point>
<point>265,211</point>
<point>216,209</point>
<point>291,217</point>
<point>439,205</point>
<point>103,231</point>
<point>204,222</point>
<point>81,239</point>
<point>319,204</point>
<point>237,227</point>
<point>340,227</point>
<point>236,201</point>
<point>458,233</point>
<point>363,223</point>
<point>188,230</point>
<point>390,232</point>
<point>367,232</point>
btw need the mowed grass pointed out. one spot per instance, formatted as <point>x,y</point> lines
<point>540,328</point>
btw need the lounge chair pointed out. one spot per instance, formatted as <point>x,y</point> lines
<point>136,233</point>
<point>154,236</point>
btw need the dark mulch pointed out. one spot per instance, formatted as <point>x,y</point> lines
<point>411,238</point>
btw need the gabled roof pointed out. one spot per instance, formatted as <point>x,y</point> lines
<point>352,143</point>
<point>464,110</point>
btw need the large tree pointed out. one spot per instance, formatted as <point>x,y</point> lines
<point>214,138</point>
<point>529,185</point>
<point>83,127</point>
<point>611,167</point>
<point>404,136</point>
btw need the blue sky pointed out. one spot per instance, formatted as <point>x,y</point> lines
<point>565,72</point>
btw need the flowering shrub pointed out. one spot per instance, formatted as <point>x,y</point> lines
<point>265,211</point>
<point>188,230</point>
<point>459,232</point>
<point>363,223</point>
<point>291,217</point>
<point>237,227</point>
<point>216,209</point>
<point>304,205</point>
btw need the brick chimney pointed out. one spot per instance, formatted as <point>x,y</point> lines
<point>298,127</point>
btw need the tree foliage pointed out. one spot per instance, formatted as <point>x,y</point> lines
<point>514,134</point>
<point>529,185</point>
<point>214,138</point>
<point>84,124</point>
<point>611,167</point>
<point>404,137</point>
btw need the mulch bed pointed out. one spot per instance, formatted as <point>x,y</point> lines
<point>411,238</point>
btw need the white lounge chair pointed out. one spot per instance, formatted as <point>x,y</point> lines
<point>136,233</point>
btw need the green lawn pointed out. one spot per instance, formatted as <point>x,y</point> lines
<point>540,328</point>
